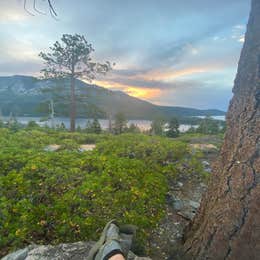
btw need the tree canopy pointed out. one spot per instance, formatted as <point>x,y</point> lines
<point>71,58</point>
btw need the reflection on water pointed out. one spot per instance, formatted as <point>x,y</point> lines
<point>142,124</point>
<point>222,118</point>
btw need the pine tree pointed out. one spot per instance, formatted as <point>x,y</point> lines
<point>96,127</point>
<point>173,128</point>
<point>71,58</point>
<point>227,224</point>
<point>120,123</point>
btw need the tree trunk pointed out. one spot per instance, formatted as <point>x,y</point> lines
<point>72,105</point>
<point>110,124</point>
<point>227,225</point>
<point>52,114</point>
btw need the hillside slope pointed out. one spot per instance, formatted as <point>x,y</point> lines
<point>24,96</point>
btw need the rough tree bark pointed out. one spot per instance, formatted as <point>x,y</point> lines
<point>227,225</point>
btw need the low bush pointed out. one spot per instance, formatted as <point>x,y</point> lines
<point>68,195</point>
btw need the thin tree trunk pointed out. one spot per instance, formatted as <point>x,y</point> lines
<point>72,105</point>
<point>228,223</point>
<point>52,113</point>
<point>110,124</point>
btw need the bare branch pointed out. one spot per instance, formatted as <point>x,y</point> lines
<point>25,8</point>
<point>35,8</point>
<point>52,11</point>
<point>34,5</point>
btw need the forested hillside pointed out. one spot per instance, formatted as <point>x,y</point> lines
<point>28,96</point>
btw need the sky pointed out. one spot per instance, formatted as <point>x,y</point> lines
<point>168,52</point>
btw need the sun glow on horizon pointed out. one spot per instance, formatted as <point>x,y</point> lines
<point>158,84</point>
<point>169,75</point>
<point>139,92</point>
<point>143,92</point>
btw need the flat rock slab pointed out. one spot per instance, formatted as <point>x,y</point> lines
<point>87,147</point>
<point>52,148</point>
<point>204,147</point>
<point>72,251</point>
<point>82,148</point>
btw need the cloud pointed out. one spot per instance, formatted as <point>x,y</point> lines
<point>21,68</point>
<point>238,33</point>
<point>11,16</point>
<point>163,78</point>
<point>168,75</point>
<point>162,50</point>
<point>196,97</point>
<point>18,56</point>
<point>135,91</point>
<point>11,12</point>
<point>191,85</point>
<point>192,93</point>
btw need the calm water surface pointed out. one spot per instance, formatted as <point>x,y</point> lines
<point>82,122</point>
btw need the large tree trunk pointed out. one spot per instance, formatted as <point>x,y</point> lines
<point>72,105</point>
<point>228,223</point>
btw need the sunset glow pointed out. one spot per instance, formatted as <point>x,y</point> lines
<point>144,93</point>
<point>188,49</point>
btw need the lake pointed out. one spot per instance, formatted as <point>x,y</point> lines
<point>142,124</point>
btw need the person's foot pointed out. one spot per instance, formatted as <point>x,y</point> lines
<point>113,241</point>
<point>127,234</point>
<point>111,246</point>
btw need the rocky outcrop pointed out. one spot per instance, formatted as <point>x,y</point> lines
<point>73,251</point>
<point>182,201</point>
<point>227,226</point>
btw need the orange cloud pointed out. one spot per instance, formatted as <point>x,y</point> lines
<point>146,92</point>
<point>108,84</point>
<point>143,92</point>
<point>172,74</point>
<point>139,92</point>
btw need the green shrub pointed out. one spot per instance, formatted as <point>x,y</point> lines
<point>67,195</point>
<point>64,197</point>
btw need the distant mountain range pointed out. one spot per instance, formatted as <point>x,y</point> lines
<point>28,96</point>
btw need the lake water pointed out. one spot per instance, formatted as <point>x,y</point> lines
<point>142,124</point>
<point>222,118</point>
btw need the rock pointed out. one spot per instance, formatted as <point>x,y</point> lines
<point>18,255</point>
<point>204,147</point>
<point>180,184</point>
<point>206,166</point>
<point>132,256</point>
<point>187,208</point>
<point>194,204</point>
<point>187,214</point>
<point>208,170</point>
<point>72,251</point>
<point>52,148</point>
<point>87,147</point>
<point>205,163</point>
<point>178,204</point>
<point>203,185</point>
